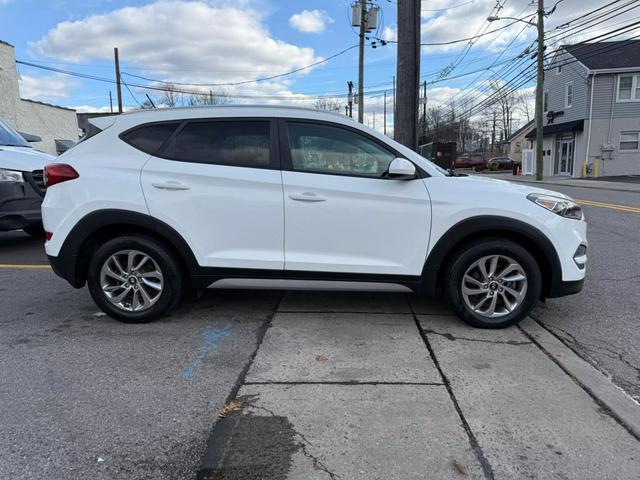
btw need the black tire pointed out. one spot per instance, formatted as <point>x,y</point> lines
<point>160,254</point>
<point>36,231</point>
<point>477,250</point>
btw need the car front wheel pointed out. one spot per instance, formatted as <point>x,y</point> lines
<point>134,279</point>
<point>493,283</point>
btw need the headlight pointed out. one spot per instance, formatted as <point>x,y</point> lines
<point>10,176</point>
<point>562,206</point>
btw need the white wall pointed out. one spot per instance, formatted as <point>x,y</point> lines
<point>47,121</point>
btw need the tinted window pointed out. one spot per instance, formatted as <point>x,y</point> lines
<point>150,138</point>
<point>327,149</point>
<point>234,143</point>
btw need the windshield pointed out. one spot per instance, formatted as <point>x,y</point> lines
<point>10,138</point>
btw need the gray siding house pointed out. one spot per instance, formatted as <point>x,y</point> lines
<point>592,110</point>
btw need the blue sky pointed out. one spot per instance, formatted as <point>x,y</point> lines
<point>223,41</point>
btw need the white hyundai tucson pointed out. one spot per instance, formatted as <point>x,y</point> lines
<point>288,198</point>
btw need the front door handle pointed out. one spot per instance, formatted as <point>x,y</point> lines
<point>306,197</point>
<point>170,185</point>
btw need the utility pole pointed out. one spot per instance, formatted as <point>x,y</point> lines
<point>384,113</point>
<point>363,26</point>
<point>350,99</point>
<point>394,106</point>
<point>110,101</point>
<point>405,129</point>
<point>119,87</point>
<point>424,108</point>
<point>539,88</point>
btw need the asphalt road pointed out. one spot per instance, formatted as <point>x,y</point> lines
<point>602,323</point>
<point>84,396</point>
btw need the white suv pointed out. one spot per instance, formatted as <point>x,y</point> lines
<point>289,198</point>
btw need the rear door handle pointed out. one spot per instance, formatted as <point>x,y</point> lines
<point>306,197</point>
<point>170,185</point>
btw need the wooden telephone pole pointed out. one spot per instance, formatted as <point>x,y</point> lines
<point>118,83</point>
<point>363,26</point>
<point>405,125</point>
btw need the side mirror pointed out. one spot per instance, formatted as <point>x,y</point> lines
<point>401,169</point>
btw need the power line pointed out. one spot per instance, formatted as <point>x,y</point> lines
<point>245,82</point>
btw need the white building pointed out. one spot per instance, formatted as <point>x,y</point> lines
<point>56,126</point>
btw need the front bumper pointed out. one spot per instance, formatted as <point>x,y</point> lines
<point>562,289</point>
<point>19,206</point>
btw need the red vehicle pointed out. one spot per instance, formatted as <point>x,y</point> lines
<point>473,161</point>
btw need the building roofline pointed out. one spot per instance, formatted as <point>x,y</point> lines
<point>6,43</point>
<point>530,123</point>
<point>47,104</point>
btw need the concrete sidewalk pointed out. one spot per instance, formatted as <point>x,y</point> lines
<point>358,386</point>
<point>565,181</point>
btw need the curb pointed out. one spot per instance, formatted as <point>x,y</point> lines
<point>620,406</point>
<point>221,433</point>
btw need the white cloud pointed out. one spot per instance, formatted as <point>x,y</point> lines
<point>49,87</point>
<point>91,109</point>
<point>390,33</point>
<point>177,40</point>
<point>310,21</point>
<point>444,26</point>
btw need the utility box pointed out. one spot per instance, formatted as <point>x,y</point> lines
<point>442,154</point>
<point>355,14</point>
<point>372,18</point>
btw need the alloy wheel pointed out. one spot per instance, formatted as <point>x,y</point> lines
<point>494,286</point>
<point>131,280</point>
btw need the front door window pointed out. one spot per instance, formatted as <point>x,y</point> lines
<point>563,164</point>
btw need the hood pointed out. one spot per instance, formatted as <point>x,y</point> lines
<point>490,185</point>
<point>23,159</point>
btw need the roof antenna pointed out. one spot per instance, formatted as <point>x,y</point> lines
<point>150,101</point>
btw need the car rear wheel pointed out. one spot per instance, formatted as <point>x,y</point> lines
<point>493,283</point>
<point>134,279</point>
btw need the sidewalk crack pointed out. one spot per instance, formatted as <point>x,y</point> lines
<point>250,400</point>
<point>451,337</point>
<point>487,469</point>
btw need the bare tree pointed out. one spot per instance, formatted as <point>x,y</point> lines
<point>525,103</point>
<point>328,104</point>
<point>198,97</point>
<point>172,96</point>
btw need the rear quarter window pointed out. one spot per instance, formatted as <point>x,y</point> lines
<point>149,138</point>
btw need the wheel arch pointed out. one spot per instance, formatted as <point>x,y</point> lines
<point>99,226</point>
<point>486,226</point>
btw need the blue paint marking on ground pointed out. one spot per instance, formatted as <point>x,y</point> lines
<point>210,338</point>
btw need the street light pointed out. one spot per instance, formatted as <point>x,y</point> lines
<point>493,19</point>
<point>539,81</point>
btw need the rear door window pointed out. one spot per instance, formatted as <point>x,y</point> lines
<point>149,138</point>
<point>237,143</point>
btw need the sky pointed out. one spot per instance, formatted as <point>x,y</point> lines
<point>230,42</point>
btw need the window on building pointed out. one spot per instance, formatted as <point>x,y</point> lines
<point>545,102</point>
<point>568,97</point>
<point>629,140</point>
<point>231,143</point>
<point>325,149</point>
<point>559,70</point>
<point>628,88</point>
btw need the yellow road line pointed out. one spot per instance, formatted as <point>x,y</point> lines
<point>35,267</point>
<point>613,206</point>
